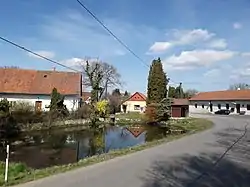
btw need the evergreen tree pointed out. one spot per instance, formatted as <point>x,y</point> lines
<point>126,93</point>
<point>57,107</point>
<point>157,83</point>
<point>116,92</point>
<point>171,92</point>
<point>179,93</point>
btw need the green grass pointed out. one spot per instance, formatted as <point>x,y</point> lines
<point>132,116</point>
<point>19,173</point>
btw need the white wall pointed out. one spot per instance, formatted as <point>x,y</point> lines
<point>131,104</point>
<point>206,109</point>
<point>71,102</point>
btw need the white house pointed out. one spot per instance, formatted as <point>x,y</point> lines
<point>210,102</point>
<point>36,86</point>
<point>135,103</point>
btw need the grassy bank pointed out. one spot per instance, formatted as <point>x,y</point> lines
<point>129,117</point>
<point>19,173</point>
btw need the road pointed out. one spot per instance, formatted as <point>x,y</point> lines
<point>178,163</point>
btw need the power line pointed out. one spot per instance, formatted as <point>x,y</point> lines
<point>112,34</point>
<point>36,54</point>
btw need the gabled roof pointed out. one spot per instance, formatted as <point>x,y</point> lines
<point>21,81</point>
<point>225,95</point>
<point>179,102</point>
<point>86,95</point>
<point>137,96</point>
<point>135,131</point>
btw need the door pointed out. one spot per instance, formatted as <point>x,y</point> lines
<point>183,112</point>
<point>38,106</point>
<point>238,108</point>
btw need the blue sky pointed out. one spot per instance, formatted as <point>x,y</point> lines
<point>204,44</point>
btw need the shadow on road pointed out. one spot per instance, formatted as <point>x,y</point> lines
<point>232,171</point>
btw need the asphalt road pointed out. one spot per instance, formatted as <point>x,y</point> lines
<point>181,163</point>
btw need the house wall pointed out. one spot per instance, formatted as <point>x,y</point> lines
<point>206,109</point>
<point>131,106</point>
<point>71,102</point>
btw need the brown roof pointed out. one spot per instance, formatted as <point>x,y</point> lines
<point>38,82</point>
<point>180,102</point>
<point>86,95</point>
<point>137,96</point>
<point>222,95</point>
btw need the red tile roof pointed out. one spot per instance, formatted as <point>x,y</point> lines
<point>222,95</point>
<point>180,102</point>
<point>137,96</point>
<point>38,82</point>
<point>86,95</point>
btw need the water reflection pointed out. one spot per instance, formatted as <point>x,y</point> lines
<point>48,148</point>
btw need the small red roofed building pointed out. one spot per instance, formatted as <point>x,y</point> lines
<point>135,103</point>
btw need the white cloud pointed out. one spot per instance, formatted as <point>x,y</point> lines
<point>182,37</point>
<point>73,61</point>
<point>218,44</point>
<point>237,25</point>
<point>187,37</point>
<point>212,73</point>
<point>247,54</point>
<point>77,61</point>
<point>160,46</point>
<point>47,54</point>
<point>196,58</point>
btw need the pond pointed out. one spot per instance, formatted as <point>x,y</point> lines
<point>58,147</point>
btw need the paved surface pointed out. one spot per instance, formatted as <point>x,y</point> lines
<point>177,163</point>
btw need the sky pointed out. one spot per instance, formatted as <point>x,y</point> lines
<point>203,44</point>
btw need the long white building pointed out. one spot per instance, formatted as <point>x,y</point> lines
<point>209,102</point>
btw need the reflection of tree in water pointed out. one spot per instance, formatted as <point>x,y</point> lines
<point>96,142</point>
<point>155,132</point>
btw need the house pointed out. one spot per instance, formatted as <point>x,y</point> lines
<point>179,108</point>
<point>86,97</point>
<point>209,102</point>
<point>35,86</point>
<point>135,103</point>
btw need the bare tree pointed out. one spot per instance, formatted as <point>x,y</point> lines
<point>241,86</point>
<point>99,76</point>
<point>190,93</point>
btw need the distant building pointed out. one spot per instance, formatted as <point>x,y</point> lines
<point>209,102</point>
<point>180,108</point>
<point>35,86</point>
<point>135,103</point>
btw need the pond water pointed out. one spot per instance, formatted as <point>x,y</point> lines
<point>58,147</point>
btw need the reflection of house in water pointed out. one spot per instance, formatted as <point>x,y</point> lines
<point>136,130</point>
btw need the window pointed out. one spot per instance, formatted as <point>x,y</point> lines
<point>219,106</point>
<point>227,106</point>
<point>137,107</point>
<point>195,105</point>
<point>248,106</point>
<point>202,106</point>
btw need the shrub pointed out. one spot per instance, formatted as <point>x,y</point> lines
<point>8,129</point>
<point>83,112</point>
<point>23,106</point>
<point>151,113</point>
